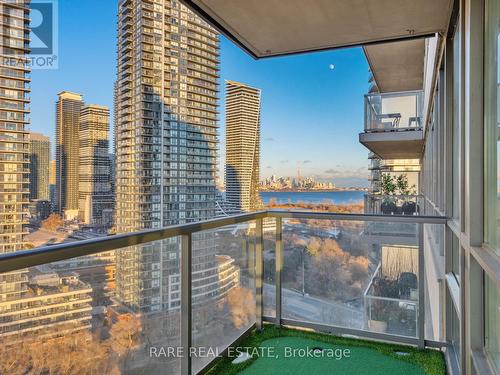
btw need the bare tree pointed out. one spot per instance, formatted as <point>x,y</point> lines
<point>53,222</point>
<point>74,353</point>
<point>241,305</point>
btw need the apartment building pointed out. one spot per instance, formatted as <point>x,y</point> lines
<point>35,299</point>
<point>447,296</point>
<point>97,271</point>
<point>112,172</point>
<point>14,119</point>
<point>52,172</point>
<point>229,274</point>
<point>39,149</point>
<point>52,183</point>
<point>455,142</point>
<point>52,304</point>
<point>68,108</point>
<point>166,144</point>
<point>95,199</point>
<point>14,146</point>
<point>242,169</point>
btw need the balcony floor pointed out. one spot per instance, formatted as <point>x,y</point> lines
<point>366,357</point>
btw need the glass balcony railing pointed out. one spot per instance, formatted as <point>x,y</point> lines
<point>381,204</point>
<point>151,297</point>
<point>393,111</point>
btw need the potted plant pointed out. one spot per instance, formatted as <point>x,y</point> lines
<point>378,316</point>
<point>409,206</point>
<point>388,188</point>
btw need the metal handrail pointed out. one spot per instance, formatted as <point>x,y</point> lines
<point>53,253</point>
<point>356,217</point>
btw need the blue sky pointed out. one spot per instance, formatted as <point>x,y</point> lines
<point>311,114</point>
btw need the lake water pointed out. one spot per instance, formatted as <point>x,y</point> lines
<point>336,197</point>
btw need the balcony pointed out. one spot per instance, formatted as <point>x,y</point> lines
<point>393,125</point>
<point>374,164</point>
<point>381,204</point>
<point>245,277</point>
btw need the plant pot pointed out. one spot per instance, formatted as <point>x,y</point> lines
<point>388,208</point>
<point>409,208</point>
<point>377,326</point>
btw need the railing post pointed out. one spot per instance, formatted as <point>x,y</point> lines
<point>250,249</point>
<point>186,319</point>
<point>421,288</point>
<point>259,268</point>
<point>279,266</point>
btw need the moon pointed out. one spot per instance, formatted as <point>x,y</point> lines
<point>331,66</point>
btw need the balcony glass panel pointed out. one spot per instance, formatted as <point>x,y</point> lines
<point>353,274</point>
<point>223,293</point>
<point>434,281</point>
<point>269,267</point>
<point>454,330</point>
<point>123,307</point>
<point>393,111</point>
<point>74,303</point>
<point>492,322</point>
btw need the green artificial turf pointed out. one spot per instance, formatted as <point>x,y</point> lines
<point>365,357</point>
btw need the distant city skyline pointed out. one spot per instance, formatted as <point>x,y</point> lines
<point>302,96</point>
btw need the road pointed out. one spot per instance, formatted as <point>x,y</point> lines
<point>313,309</point>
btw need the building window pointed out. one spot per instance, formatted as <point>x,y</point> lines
<point>492,322</point>
<point>491,125</point>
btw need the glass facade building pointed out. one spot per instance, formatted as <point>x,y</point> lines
<point>166,143</point>
<point>39,166</point>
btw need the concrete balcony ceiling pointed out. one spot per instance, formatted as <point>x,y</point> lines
<point>267,28</point>
<point>397,66</point>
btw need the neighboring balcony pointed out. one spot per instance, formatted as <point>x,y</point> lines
<point>374,164</point>
<point>381,204</point>
<point>393,125</point>
<point>374,176</point>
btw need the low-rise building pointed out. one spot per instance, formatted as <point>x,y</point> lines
<point>51,304</point>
